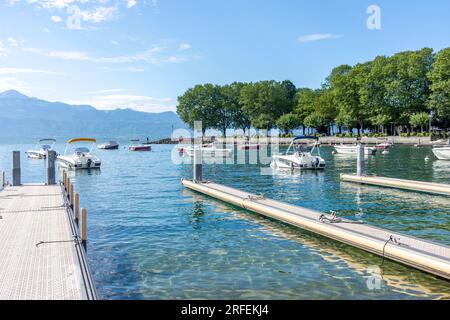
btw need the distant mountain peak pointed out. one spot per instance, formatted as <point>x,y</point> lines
<point>12,94</point>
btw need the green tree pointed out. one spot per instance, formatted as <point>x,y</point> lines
<point>288,122</point>
<point>439,76</point>
<point>317,121</point>
<point>268,98</point>
<point>419,120</point>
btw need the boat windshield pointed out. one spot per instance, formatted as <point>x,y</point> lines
<point>82,150</point>
<point>46,147</point>
<point>305,147</point>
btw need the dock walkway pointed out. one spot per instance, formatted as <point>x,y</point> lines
<point>417,253</point>
<point>41,254</point>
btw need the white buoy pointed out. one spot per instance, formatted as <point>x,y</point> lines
<point>385,152</point>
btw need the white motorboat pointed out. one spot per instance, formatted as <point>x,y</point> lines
<point>208,150</point>
<point>442,153</point>
<point>304,156</point>
<point>137,146</point>
<point>79,157</point>
<point>110,145</point>
<point>383,144</point>
<point>353,149</point>
<point>41,149</point>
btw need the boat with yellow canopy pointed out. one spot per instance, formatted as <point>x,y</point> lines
<point>78,156</point>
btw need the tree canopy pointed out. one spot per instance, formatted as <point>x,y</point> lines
<point>388,95</point>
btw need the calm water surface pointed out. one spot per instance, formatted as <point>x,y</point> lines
<point>150,238</point>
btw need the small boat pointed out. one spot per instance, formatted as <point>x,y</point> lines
<point>79,157</point>
<point>249,146</point>
<point>442,153</point>
<point>304,156</point>
<point>138,146</point>
<point>41,148</point>
<point>383,145</point>
<point>353,149</point>
<point>208,150</point>
<point>110,145</point>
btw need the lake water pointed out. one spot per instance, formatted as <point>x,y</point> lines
<point>150,238</point>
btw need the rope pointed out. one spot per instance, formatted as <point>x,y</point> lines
<point>252,198</point>
<point>334,219</point>
<point>76,240</point>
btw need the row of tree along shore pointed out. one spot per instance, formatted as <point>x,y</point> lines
<point>404,94</point>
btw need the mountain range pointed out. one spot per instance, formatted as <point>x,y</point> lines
<point>27,117</point>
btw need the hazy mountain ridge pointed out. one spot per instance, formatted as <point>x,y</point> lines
<point>23,116</point>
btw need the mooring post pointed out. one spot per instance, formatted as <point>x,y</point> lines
<point>50,158</point>
<point>360,169</point>
<point>197,176</point>
<point>76,208</point>
<point>71,200</point>
<point>2,185</point>
<point>16,169</point>
<point>83,227</point>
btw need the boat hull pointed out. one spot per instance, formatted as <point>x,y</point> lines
<point>307,162</point>
<point>36,155</point>
<point>442,153</point>
<point>354,150</point>
<point>140,148</point>
<point>84,163</point>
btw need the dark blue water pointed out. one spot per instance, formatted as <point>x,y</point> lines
<point>149,238</point>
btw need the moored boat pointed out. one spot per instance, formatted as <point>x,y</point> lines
<point>353,149</point>
<point>41,149</point>
<point>110,145</point>
<point>304,156</point>
<point>79,157</point>
<point>442,153</point>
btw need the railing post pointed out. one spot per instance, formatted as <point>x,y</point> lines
<point>76,208</point>
<point>71,200</point>
<point>68,187</point>
<point>16,174</point>
<point>360,169</point>
<point>50,164</point>
<point>197,174</point>
<point>83,227</point>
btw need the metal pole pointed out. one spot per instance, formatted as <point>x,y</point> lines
<point>16,169</point>
<point>360,169</point>
<point>83,227</point>
<point>50,158</point>
<point>197,165</point>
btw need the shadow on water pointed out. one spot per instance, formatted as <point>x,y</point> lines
<point>398,278</point>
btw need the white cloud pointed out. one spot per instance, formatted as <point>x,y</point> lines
<point>136,102</point>
<point>56,19</point>
<point>131,3</point>
<point>113,42</point>
<point>70,55</point>
<point>3,50</point>
<point>130,69</point>
<point>15,42</point>
<point>99,14</point>
<point>184,46</point>
<point>28,71</point>
<point>105,91</point>
<point>318,36</point>
<point>9,83</point>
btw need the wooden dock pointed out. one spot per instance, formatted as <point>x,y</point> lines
<point>411,185</point>
<point>41,253</point>
<point>414,252</point>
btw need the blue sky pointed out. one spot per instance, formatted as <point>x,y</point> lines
<point>143,54</point>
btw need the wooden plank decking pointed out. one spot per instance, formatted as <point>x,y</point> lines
<point>41,256</point>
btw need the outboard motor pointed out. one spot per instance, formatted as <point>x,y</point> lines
<point>89,162</point>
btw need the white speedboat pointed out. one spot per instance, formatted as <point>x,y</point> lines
<point>79,157</point>
<point>442,153</point>
<point>137,146</point>
<point>110,145</point>
<point>208,150</point>
<point>383,144</point>
<point>41,149</point>
<point>304,156</point>
<point>353,149</point>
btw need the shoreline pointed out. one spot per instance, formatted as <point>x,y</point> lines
<point>412,141</point>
